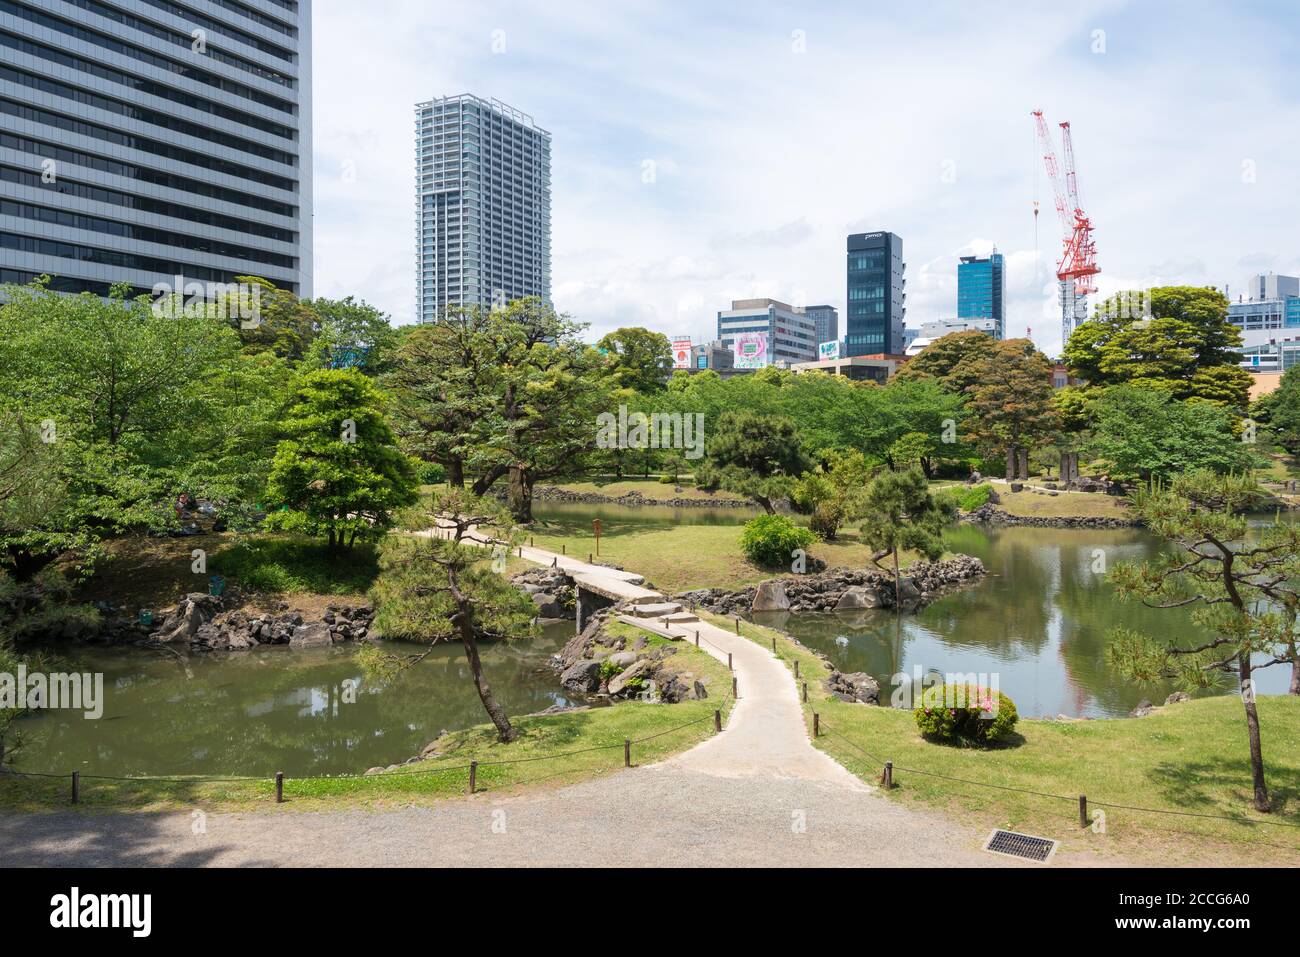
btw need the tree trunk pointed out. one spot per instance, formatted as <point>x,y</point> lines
<point>898,591</point>
<point>1262,802</point>
<point>505,732</point>
<point>521,495</point>
<point>766,502</point>
<point>456,473</point>
<point>487,479</point>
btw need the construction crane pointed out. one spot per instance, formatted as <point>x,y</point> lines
<point>1079,258</point>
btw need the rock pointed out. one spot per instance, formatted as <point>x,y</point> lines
<point>770,596</point>
<point>315,635</point>
<point>859,597</point>
<point>701,692</point>
<point>1178,697</point>
<point>582,677</point>
<point>623,659</point>
<point>619,683</point>
<point>1143,709</point>
<point>858,686</point>
<point>547,606</point>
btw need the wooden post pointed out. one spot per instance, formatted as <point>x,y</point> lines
<point>889,775</point>
<point>717,721</point>
<point>774,644</point>
<point>817,724</point>
<point>530,541</point>
<point>697,637</point>
<point>627,753</point>
<point>279,787</point>
<point>737,626</point>
<point>729,668</point>
<point>796,667</point>
<point>805,692</point>
<point>733,687</point>
<point>589,557</point>
<point>473,777</point>
<point>564,549</point>
<point>76,786</point>
<point>1083,810</point>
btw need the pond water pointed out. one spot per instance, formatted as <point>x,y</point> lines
<point>277,709</point>
<point>1039,621</point>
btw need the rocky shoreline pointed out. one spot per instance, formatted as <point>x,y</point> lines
<point>203,623</point>
<point>841,589</point>
<point>990,514</point>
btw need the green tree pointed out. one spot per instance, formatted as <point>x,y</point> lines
<point>755,455</point>
<point>1186,346</point>
<point>951,360</point>
<point>338,472</point>
<point>441,587</point>
<point>1242,590</point>
<point>1011,403</point>
<point>1280,411</point>
<point>637,358</point>
<point>1146,433</point>
<point>913,449</point>
<point>901,513</point>
<point>833,491</point>
<point>352,334</point>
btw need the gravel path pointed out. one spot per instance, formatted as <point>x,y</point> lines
<point>757,794</point>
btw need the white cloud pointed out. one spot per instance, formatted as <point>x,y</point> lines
<point>913,121</point>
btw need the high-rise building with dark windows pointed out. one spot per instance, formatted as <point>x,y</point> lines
<point>145,140</point>
<point>877,293</point>
<point>982,290</point>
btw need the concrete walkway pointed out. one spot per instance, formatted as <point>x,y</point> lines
<point>758,793</point>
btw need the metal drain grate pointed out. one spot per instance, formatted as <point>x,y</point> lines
<point>1025,846</point>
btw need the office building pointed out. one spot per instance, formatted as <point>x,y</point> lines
<point>763,332</point>
<point>1268,315</point>
<point>483,205</point>
<point>877,368</point>
<point>1271,286</point>
<point>982,290</point>
<point>145,140</point>
<point>827,320</point>
<point>877,294</point>
<point>712,355</point>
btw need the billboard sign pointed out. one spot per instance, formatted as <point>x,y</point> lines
<point>828,351</point>
<point>681,353</point>
<point>751,350</point>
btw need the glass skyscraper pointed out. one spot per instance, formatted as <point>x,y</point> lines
<point>483,201</point>
<point>982,290</point>
<point>141,140</point>
<point>876,295</point>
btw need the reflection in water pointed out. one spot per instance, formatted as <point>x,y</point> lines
<point>1039,621</point>
<point>274,709</point>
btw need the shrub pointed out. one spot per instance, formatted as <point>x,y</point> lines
<point>430,473</point>
<point>954,712</point>
<point>769,539</point>
<point>967,498</point>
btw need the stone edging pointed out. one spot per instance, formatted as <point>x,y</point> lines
<point>990,514</point>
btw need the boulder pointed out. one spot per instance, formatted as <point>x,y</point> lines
<point>770,596</point>
<point>859,596</point>
<point>547,606</point>
<point>1143,709</point>
<point>623,659</point>
<point>582,677</point>
<point>1178,697</point>
<point>620,682</point>
<point>315,635</point>
<point>857,686</point>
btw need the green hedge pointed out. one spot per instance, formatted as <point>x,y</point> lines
<point>769,540</point>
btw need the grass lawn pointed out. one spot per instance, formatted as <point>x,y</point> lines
<point>543,752</point>
<point>1066,504</point>
<point>683,557</point>
<point>1189,757</point>
<point>649,488</point>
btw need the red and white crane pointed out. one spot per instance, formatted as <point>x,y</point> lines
<point>1079,259</point>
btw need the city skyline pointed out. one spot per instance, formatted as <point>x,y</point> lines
<point>1164,120</point>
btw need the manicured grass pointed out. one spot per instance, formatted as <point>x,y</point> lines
<point>551,748</point>
<point>1066,504</point>
<point>650,489</point>
<point>683,557</point>
<point>1189,758</point>
<point>286,564</point>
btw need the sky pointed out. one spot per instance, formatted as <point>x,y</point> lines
<point>706,151</point>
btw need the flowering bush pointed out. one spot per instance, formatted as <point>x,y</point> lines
<point>953,712</point>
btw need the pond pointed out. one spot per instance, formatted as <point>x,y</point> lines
<point>277,709</point>
<point>1039,621</point>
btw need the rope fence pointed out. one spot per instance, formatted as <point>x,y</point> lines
<point>76,777</point>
